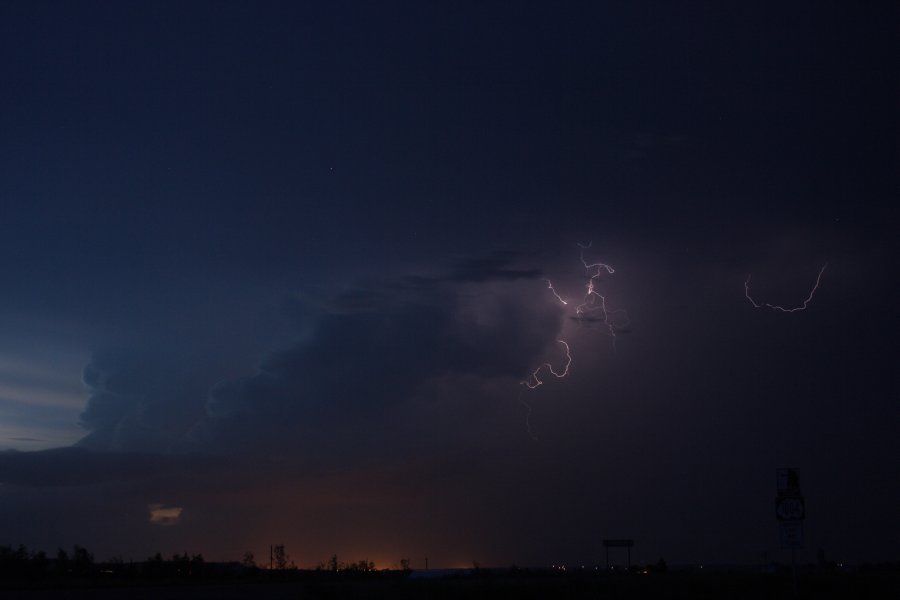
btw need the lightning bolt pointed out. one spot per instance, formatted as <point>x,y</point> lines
<point>534,381</point>
<point>592,308</point>
<point>781,308</point>
<point>595,303</point>
<point>597,265</point>
<point>550,285</point>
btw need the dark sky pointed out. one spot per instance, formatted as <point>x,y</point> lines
<point>275,273</point>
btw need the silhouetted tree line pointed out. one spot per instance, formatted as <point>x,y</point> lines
<point>335,566</point>
<point>18,563</point>
<point>180,565</point>
<point>21,563</point>
<point>281,560</point>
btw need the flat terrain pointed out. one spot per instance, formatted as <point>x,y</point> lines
<point>489,585</point>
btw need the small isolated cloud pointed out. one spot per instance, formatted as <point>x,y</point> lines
<point>163,515</point>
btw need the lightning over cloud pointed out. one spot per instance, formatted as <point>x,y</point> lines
<point>781,308</point>
<point>534,381</point>
<point>593,308</point>
<point>550,285</point>
<point>595,303</point>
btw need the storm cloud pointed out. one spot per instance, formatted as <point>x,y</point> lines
<point>371,353</point>
<point>283,270</point>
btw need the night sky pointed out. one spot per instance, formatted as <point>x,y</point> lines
<point>276,273</point>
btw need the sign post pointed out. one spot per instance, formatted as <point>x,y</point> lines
<point>790,510</point>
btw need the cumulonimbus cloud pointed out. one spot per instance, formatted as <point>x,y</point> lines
<point>370,349</point>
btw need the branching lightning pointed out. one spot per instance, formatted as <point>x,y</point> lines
<point>595,303</point>
<point>593,308</point>
<point>534,381</point>
<point>781,308</point>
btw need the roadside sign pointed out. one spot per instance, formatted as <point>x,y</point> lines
<point>791,534</point>
<point>787,482</point>
<point>790,508</point>
<point>789,504</point>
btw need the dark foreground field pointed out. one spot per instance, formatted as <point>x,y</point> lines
<point>860,585</point>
